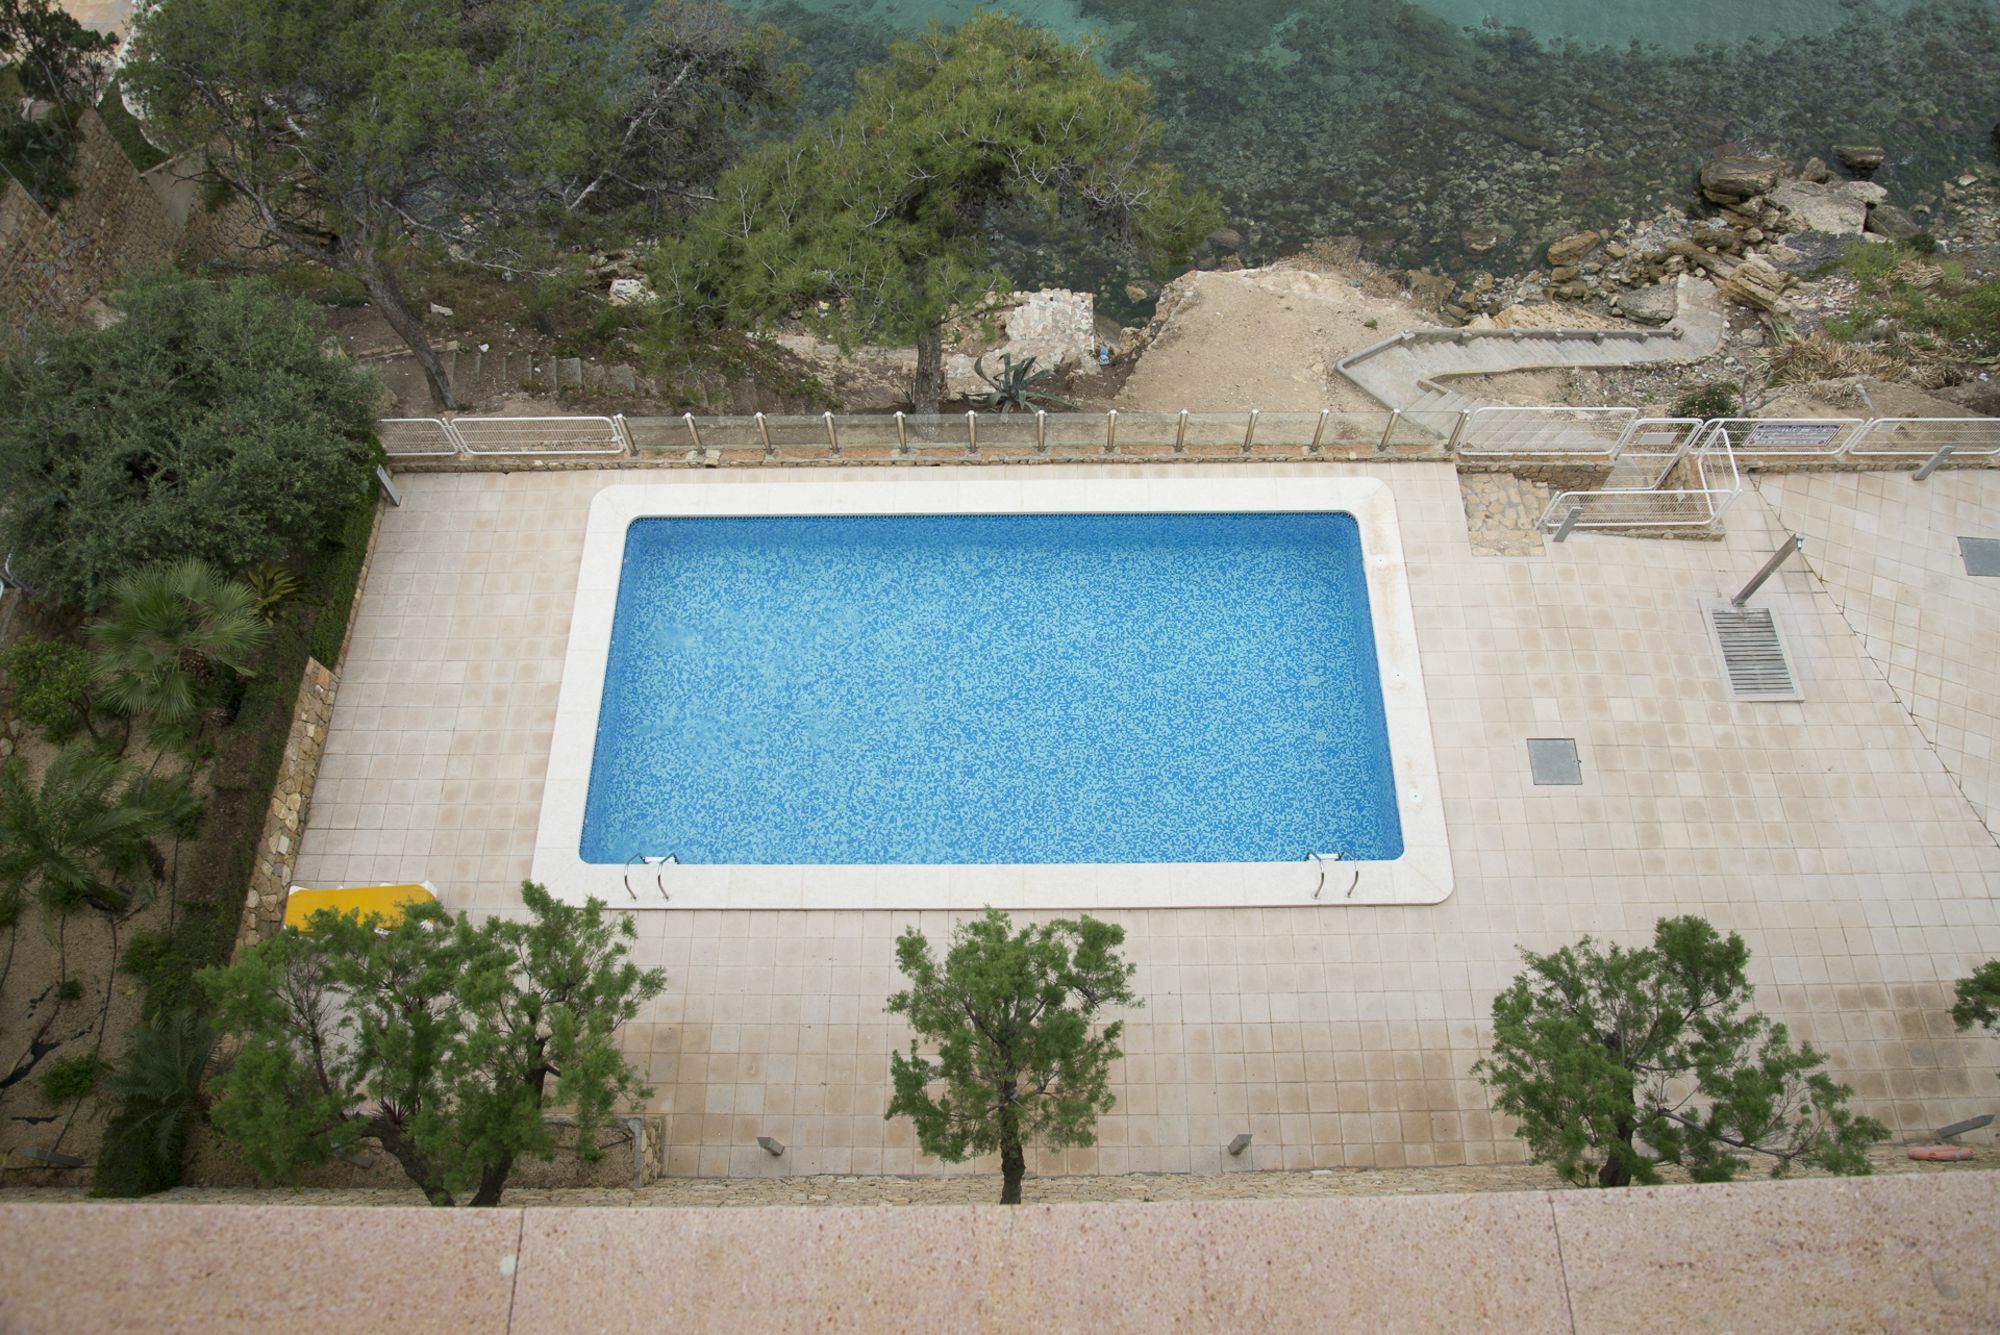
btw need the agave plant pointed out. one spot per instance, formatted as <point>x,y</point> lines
<point>84,836</point>
<point>172,631</point>
<point>1014,387</point>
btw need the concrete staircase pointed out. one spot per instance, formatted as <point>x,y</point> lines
<point>1414,371</point>
<point>479,376</point>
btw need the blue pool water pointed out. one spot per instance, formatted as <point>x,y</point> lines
<point>992,689</point>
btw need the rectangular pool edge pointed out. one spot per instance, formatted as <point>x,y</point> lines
<point>1421,875</point>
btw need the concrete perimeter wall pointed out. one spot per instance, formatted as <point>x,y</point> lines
<point>1889,1253</point>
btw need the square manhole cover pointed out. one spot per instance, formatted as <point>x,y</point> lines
<point>1552,760</point>
<point>1982,556</point>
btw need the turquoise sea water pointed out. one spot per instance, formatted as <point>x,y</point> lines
<point>992,689</point>
<point>1460,135</point>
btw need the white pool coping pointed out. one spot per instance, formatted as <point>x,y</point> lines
<point>1422,875</point>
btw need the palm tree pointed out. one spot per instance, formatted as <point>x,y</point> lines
<point>85,835</point>
<point>172,630</point>
<point>157,1089</point>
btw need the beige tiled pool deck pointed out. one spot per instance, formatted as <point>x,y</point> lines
<point>1843,836</point>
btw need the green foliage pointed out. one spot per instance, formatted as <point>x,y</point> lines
<point>1979,998</point>
<point>1011,1015</point>
<point>1706,401</point>
<point>48,685</point>
<point>69,989</point>
<point>124,127</point>
<point>206,423</point>
<point>56,61</point>
<point>271,587</point>
<point>1015,386</point>
<point>875,225</point>
<point>359,128</point>
<point>157,1088</point>
<point>166,961</point>
<point>71,1078</point>
<point>1616,1061</point>
<point>442,1041</point>
<point>85,835</point>
<point>337,578</point>
<point>1931,308</point>
<point>173,634</point>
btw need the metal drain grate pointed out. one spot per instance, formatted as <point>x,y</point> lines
<point>1553,761</point>
<point>1981,556</point>
<point>1753,654</point>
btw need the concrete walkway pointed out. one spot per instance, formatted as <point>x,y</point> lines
<point>1910,1252</point>
<point>1413,371</point>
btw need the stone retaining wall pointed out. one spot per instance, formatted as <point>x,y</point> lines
<point>278,845</point>
<point>53,264</point>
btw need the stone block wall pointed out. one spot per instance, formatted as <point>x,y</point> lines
<point>53,263</point>
<point>278,844</point>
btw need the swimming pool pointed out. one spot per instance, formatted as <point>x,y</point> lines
<point>868,689</point>
<point>929,693</point>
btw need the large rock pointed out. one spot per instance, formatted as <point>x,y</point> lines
<point>1836,207</point>
<point>1864,160</point>
<point>1731,178</point>
<point>1649,305</point>
<point>1755,283</point>
<point>1890,221</point>
<point>1573,248</point>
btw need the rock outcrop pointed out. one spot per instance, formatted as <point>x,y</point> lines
<point>1731,178</point>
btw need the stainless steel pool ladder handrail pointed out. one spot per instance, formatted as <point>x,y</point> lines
<point>1339,855</point>
<point>659,860</point>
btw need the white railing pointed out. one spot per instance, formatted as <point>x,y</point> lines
<point>1499,430</point>
<point>416,437</point>
<point>1710,466</point>
<point>1923,437</point>
<point>540,435</point>
<point>1791,437</point>
<point>1493,433</point>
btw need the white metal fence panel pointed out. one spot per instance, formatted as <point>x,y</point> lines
<point>1790,437</point>
<point>540,435</point>
<point>1921,437</point>
<point>1501,431</point>
<point>1716,485</point>
<point>416,437</point>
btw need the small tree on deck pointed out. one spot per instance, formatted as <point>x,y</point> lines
<point>440,1041</point>
<point>1616,1061</point>
<point>1011,1013</point>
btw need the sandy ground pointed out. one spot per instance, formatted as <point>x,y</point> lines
<point>1267,338</point>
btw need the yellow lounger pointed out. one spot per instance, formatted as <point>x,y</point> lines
<point>366,901</point>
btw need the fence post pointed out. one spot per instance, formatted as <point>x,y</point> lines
<point>693,431</point>
<point>1568,522</point>
<point>902,434</point>
<point>832,439</point>
<point>1111,431</point>
<point>1180,434</point>
<point>624,436</point>
<point>1319,429</point>
<point>458,444</point>
<point>764,431</point>
<point>1389,431</point>
<point>1041,431</point>
<point>1932,464</point>
<point>1250,431</point>
<point>972,433</point>
<point>1457,430</point>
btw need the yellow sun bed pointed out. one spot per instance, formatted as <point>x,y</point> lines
<point>386,902</point>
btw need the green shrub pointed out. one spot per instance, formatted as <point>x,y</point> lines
<point>1706,401</point>
<point>69,989</point>
<point>71,1078</point>
<point>165,962</point>
<point>49,685</point>
<point>206,423</point>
